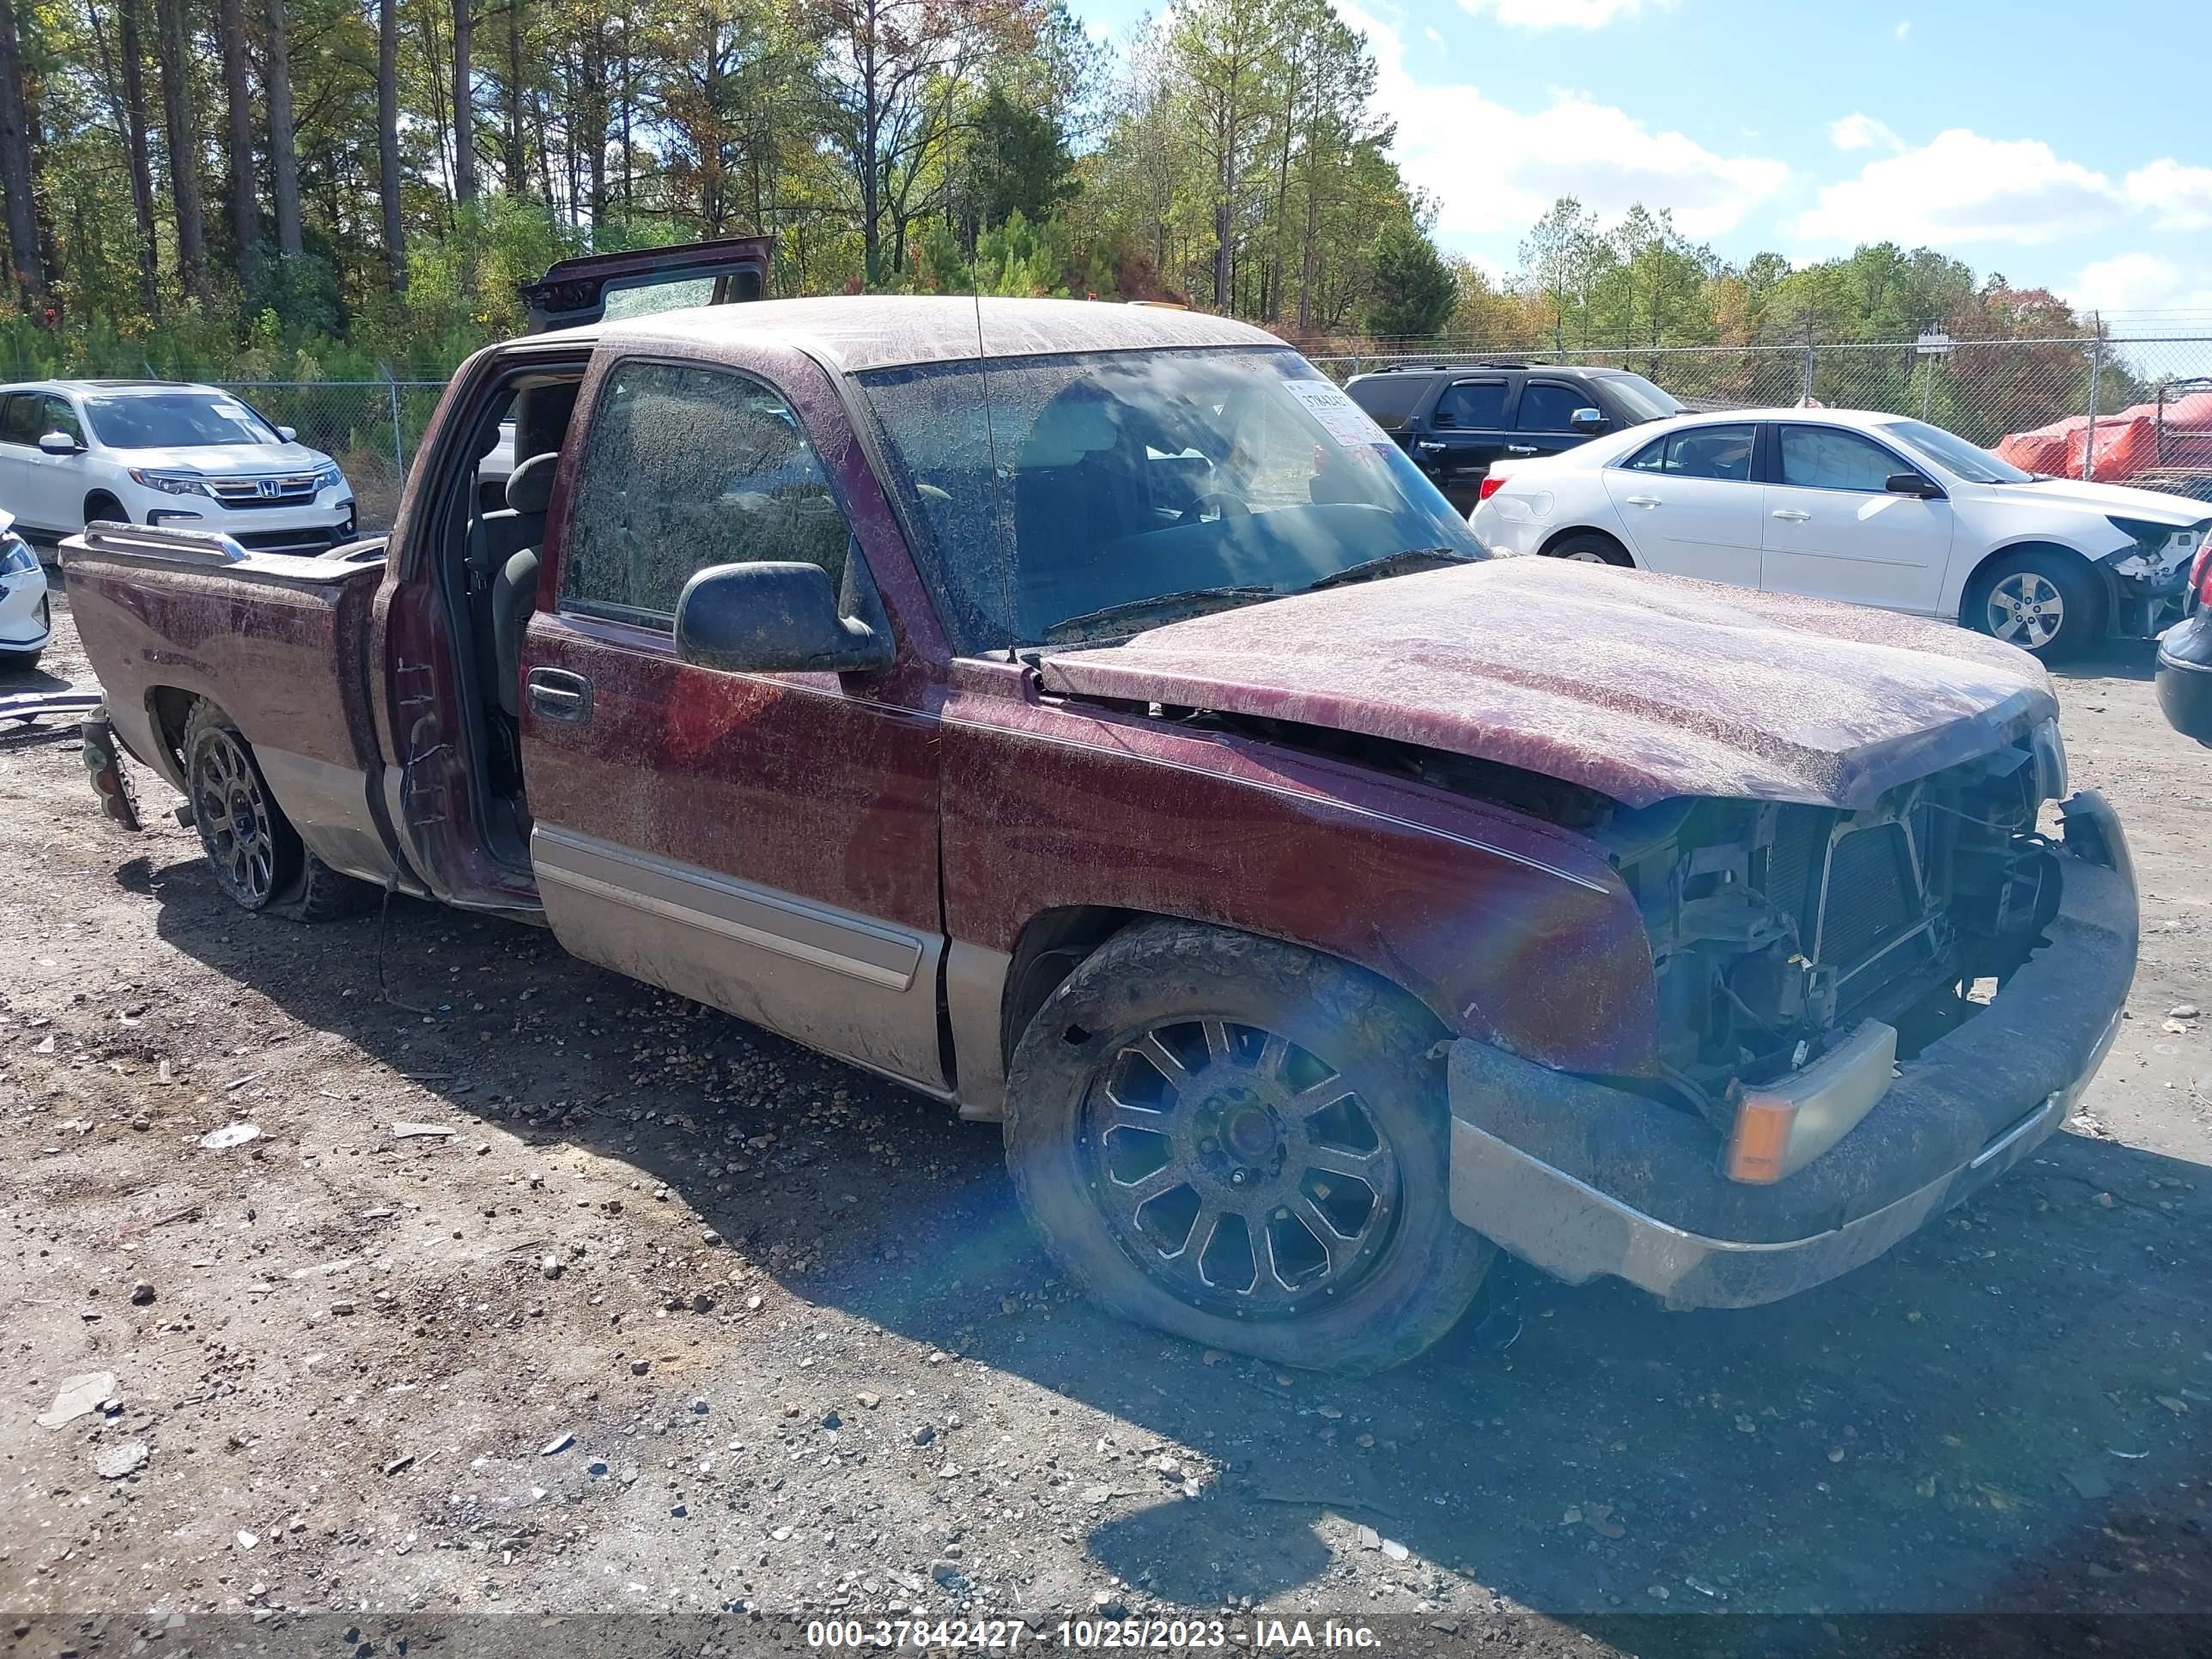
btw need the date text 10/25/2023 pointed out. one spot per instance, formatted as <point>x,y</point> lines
<point>1144,1635</point>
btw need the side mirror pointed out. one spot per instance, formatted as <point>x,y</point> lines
<point>59,443</point>
<point>289,434</point>
<point>1587,421</point>
<point>772,618</point>
<point>1913,483</point>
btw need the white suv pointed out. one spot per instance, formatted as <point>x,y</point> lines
<point>155,452</point>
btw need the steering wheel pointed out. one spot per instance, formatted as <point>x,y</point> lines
<point>1220,504</point>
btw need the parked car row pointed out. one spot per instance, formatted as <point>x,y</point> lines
<point>1087,717</point>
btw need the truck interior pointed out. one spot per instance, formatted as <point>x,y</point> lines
<point>486,560</point>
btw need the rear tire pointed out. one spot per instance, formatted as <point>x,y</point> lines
<point>258,859</point>
<point>1233,1040</point>
<point>2048,603</point>
<point>1588,547</point>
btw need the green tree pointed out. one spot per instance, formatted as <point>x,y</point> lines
<point>1413,289</point>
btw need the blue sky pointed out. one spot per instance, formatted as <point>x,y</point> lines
<point>2060,144</point>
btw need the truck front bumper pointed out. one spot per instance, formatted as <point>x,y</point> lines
<point>1583,1180</point>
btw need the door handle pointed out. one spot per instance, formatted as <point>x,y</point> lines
<point>1428,448</point>
<point>1792,515</point>
<point>1641,500</point>
<point>1520,449</point>
<point>559,695</point>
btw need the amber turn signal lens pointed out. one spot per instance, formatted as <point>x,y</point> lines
<point>1761,1140</point>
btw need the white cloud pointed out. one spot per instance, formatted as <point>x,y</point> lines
<point>1557,14</point>
<point>1493,169</point>
<point>1858,132</point>
<point>1902,29</point>
<point>1963,188</point>
<point>2180,196</point>
<point>1436,40</point>
<point>2139,282</point>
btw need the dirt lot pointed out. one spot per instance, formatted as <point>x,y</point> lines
<point>668,1317</point>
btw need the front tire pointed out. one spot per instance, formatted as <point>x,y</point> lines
<point>2047,602</point>
<point>104,506</point>
<point>1246,1145</point>
<point>258,859</point>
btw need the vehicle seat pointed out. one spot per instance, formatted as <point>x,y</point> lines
<point>515,585</point>
<point>496,536</point>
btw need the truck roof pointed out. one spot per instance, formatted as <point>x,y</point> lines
<point>858,333</point>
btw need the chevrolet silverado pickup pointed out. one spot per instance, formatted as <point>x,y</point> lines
<point>1086,717</point>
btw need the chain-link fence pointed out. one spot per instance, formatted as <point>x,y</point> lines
<point>2138,408</point>
<point>369,428</point>
<point>2105,406</point>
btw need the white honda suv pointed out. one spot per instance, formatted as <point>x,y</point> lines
<point>162,452</point>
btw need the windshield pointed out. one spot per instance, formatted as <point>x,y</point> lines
<point>173,420</point>
<point>1975,465</point>
<point>1129,476</point>
<point>1646,401</point>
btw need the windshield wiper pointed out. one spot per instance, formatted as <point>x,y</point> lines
<point>1390,564</point>
<point>1189,601</point>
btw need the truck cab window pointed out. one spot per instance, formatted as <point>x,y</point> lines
<point>684,468</point>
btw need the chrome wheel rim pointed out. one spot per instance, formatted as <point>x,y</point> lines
<point>1241,1172</point>
<point>1584,555</point>
<point>2026,608</point>
<point>232,816</point>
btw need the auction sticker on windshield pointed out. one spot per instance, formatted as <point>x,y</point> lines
<point>1341,418</point>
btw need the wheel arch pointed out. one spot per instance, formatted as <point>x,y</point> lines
<point>1056,942</point>
<point>167,708</point>
<point>1628,558</point>
<point>103,495</point>
<point>1985,569</point>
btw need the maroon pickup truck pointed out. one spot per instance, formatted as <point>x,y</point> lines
<point>1084,716</point>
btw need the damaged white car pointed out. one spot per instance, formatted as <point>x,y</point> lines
<point>1875,509</point>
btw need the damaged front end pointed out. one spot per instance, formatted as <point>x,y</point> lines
<point>2148,577</point>
<point>1864,1016</point>
<point>1778,929</point>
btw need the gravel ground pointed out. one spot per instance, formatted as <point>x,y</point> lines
<point>539,1289</point>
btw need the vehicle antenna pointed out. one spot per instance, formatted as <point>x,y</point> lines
<point>1000,530</point>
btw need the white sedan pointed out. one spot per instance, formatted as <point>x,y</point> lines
<point>1875,510</point>
<point>26,619</point>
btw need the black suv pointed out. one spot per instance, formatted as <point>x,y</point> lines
<point>1455,419</point>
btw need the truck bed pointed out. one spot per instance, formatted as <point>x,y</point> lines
<point>280,643</point>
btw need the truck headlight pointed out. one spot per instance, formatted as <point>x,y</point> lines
<point>1782,1125</point>
<point>2049,751</point>
<point>172,483</point>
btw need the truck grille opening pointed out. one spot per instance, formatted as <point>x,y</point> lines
<point>1776,929</point>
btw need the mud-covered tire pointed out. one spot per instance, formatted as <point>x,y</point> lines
<point>258,857</point>
<point>2013,598</point>
<point>1413,1283</point>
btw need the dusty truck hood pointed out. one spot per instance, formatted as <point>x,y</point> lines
<point>1641,687</point>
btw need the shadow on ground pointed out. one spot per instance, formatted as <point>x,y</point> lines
<point>2112,659</point>
<point>2004,1415</point>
